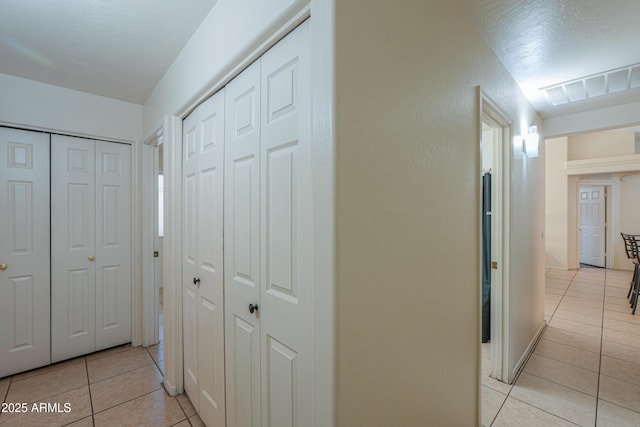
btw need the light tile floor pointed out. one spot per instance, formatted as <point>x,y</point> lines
<point>585,369</point>
<point>116,387</point>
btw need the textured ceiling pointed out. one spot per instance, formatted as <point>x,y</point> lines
<point>546,42</point>
<point>115,48</point>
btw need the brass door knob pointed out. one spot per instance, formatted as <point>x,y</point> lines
<point>3,267</point>
<point>91,258</point>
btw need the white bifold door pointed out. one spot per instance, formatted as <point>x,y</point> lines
<point>268,240</point>
<point>24,251</point>
<point>91,246</point>
<point>202,264</point>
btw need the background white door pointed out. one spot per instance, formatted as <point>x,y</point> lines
<point>592,225</point>
<point>203,272</point>
<point>73,242</point>
<point>24,249</point>
<point>91,246</point>
<point>113,244</point>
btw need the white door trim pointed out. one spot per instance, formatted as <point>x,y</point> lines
<point>172,168</point>
<point>489,111</point>
<point>150,302</point>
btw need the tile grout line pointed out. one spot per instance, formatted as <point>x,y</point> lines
<point>86,370</point>
<point>604,296</point>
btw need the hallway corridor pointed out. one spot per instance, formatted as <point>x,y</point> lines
<point>585,369</point>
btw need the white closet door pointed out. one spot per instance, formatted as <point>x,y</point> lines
<point>73,243</point>
<point>286,224</point>
<point>203,272</point>
<point>24,250</point>
<point>189,255</point>
<point>210,308</point>
<point>242,248</point>
<point>113,244</point>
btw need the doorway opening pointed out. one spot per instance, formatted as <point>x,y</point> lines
<point>494,149</point>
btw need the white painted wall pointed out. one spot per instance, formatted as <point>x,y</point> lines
<point>600,144</point>
<point>619,116</point>
<point>30,104</point>
<point>233,30</point>
<point>629,214</point>
<point>408,210</point>
<point>556,203</point>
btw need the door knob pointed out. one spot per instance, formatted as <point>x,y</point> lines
<point>196,281</point>
<point>253,307</point>
<point>91,258</point>
<point>3,267</point>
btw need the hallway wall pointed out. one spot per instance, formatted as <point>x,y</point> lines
<point>36,105</point>
<point>408,209</point>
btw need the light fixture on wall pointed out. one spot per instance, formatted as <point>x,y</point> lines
<point>531,142</point>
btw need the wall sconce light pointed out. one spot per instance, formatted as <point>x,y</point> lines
<point>531,142</point>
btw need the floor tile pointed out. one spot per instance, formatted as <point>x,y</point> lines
<point>183,423</point>
<point>491,402</point>
<point>568,354</point>
<point>196,421</point>
<point>576,327</point>
<point>621,351</point>
<point>50,383</point>
<point>626,327</point>
<point>157,351</point>
<point>610,415</point>
<point>153,409</point>
<point>617,307</point>
<point>564,374</point>
<point>122,388</point>
<point>623,317</point>
<point>118,363</point>
<point>630,340</point>
<point>516,413</point>
<point>4,386</point>
<point>85,422</point>
<point>50,368</point>
<point>186,405</point>
<point>620,392</point>
<point>620,369</point>
<point>586,318</point>
<point>580,341</point>
<point>108,352</point>
<point>556,399</point>
<point>52,411</point>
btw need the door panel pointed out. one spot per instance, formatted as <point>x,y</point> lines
<point>189,254</point>
<point>210,261</point>
<point>592,225</point>
<point>24,248</point>
<point>113,244</point>
<point>242,246</point>
<point>73,237</point>
<point>285,227</point>
<point>203,259</point>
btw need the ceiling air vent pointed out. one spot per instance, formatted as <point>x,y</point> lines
<point>608,82</point>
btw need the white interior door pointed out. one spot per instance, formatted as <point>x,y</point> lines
<point>189,256</point>
<point>24,251</point>
<point>242,248</point>
<point>210,308</point>
<point>592,225</point>
<point>203,272</point>
<point>73,330</point>
<point>286,224</point>
<point>113,244</point>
